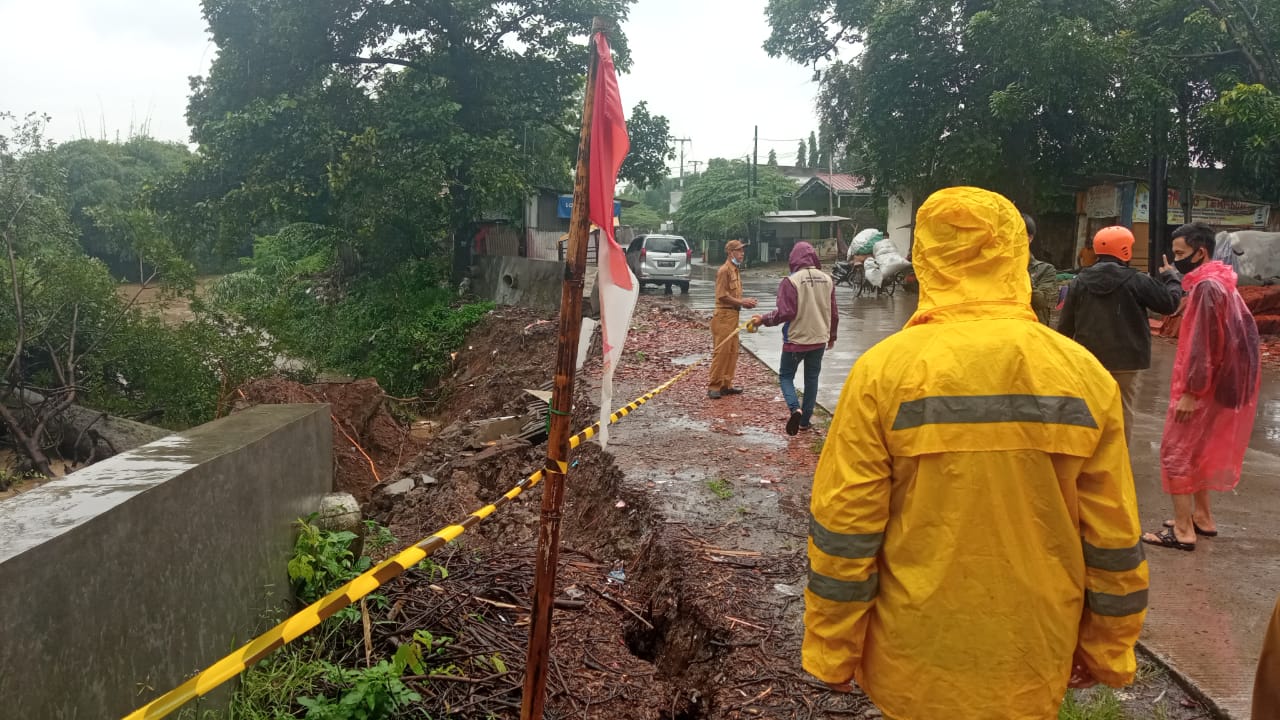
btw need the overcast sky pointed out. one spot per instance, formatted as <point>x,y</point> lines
<point>102,67</point>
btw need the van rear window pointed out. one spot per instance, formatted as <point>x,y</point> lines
<point>666,245</point>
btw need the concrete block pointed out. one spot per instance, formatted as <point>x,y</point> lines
<point>519,281</point>
<point>123,579</point>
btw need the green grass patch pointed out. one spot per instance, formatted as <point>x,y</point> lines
<point>720,488</point>
<point>1097,704</point>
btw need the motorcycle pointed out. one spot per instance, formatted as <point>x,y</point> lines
<point>842,272</point>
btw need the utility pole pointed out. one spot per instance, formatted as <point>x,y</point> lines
<point>1158,201</point>
<point>682,141</point>
<point>1158,212</point>
<point>695,164</point>
<point>831,210</point>
<point>755,163</point>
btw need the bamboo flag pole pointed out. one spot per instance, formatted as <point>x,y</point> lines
<point>539,653</point>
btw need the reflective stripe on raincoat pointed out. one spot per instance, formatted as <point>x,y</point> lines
<point>974,519</point>
<point>1219,362</point>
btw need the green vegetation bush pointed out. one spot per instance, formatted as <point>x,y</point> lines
<point>190,371</point>
<point>304,288</point>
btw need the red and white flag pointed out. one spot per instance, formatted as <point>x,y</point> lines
<point>618,287</point>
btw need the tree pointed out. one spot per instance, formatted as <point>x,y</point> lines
<point>945,93</point>
<point>814,159</point>
<point>773,158</point>
<point>717,205</point>
<point>643,218</point>
<point>800,155</point>
<point>651,148</point>
<point>656,198</point>
<point>934,93</point>
<point>112,177</point>
<point>1244,124</point>
<point>69,340</point>
<point>399,124</point>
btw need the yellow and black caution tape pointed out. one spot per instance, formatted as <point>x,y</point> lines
<point>311,616</point>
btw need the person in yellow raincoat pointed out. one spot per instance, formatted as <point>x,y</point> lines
<point>974,540</point>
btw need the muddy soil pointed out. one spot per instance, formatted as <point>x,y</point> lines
<point>683,554</point>
<point>369,443</point>
<point>683,545</point>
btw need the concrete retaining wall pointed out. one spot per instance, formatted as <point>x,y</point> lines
<point>121,580</point>
<point>519,281</point>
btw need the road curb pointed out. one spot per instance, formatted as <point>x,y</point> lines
<point>769,367</point>
<point>1186,683</point>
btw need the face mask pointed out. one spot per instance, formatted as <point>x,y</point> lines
<point>736,262</point>
<point>1188,263</point>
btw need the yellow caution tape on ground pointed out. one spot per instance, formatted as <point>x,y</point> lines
<point>311,616</point>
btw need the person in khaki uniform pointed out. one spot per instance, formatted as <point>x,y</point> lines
<point>729,300</point>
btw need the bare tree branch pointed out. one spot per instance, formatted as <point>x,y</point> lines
<point>1206,55</point>
<point>1269,75</point>
<point>380,60</point>
<point>511,25</point>
<point>7,233</point>
<point>30,446</point>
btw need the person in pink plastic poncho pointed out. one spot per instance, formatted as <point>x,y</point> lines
<point>1214,393</point>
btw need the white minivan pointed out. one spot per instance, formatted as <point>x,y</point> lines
<point>661,260</point>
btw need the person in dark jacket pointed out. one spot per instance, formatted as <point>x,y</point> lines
<point>1106,311</point>
<point>1044,279</point>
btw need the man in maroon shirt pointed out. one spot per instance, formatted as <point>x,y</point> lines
<point>806,309</point>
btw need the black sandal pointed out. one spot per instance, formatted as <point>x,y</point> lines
<point>1204,533</point>
<point>1167,538</point>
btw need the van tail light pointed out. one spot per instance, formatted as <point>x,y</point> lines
<point>688,256</point>
<point>643,253</point>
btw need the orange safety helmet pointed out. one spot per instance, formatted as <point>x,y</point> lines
<point>1116,241</point>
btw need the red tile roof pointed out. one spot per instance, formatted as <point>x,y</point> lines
<point>841,182</point>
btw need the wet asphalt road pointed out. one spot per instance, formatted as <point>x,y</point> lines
<point>1208,609</point>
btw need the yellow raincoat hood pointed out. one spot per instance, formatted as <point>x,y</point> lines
<point>974,522</point>
<point>970,247</point>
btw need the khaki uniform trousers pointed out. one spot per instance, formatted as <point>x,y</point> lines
<point>724,362</point>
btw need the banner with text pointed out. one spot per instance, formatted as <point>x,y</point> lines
<point>1218,212</point>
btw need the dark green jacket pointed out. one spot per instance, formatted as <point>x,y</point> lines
<point>1044,288</point>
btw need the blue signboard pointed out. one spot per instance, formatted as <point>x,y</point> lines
<point>564,207</point>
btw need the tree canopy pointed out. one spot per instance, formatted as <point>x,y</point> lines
<point>651,148</point>
<point>396,124</point>
<point>106,189</point>
<point>1019,95</point>
<point>66,333</point>
<point>717,204</point>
